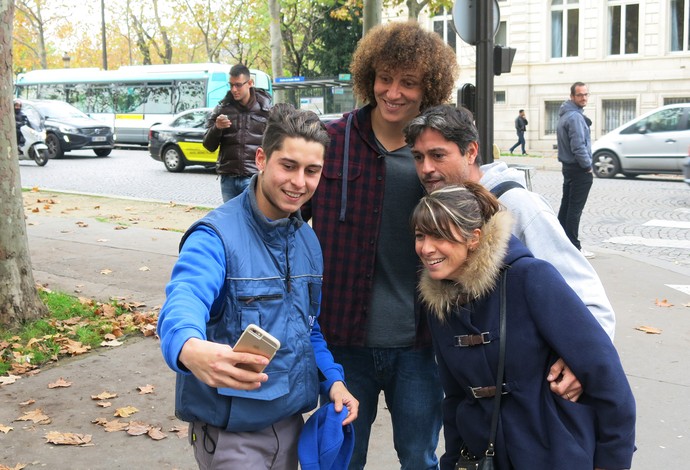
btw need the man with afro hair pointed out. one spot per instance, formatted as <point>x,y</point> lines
<point>370,313</point>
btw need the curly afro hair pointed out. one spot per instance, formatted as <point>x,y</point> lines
<point>405,45</point>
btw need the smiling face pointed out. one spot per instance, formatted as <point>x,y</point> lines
<point>439,162</point>
<point>443,258</point>
<point>398,95</point>
<point>289,177</point>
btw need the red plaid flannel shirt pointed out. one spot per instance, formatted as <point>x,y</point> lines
<point>349,246</point>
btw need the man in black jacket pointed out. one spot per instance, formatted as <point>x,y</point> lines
<point>520,128</point>
<point>237,125</point>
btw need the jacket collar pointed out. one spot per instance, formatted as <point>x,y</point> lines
<point>481,272</point>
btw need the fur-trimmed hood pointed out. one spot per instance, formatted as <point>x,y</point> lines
<point>481,270</point>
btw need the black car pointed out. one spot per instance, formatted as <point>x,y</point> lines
<point>179,143</point>
<point>69,129</point>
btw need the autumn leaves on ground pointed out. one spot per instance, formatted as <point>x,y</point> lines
<point>80,325</point>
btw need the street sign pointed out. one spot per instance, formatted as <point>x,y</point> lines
<point>289,79</point>
<point>465,19</point>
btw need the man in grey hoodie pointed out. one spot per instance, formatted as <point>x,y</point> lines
<point>575,153</point>
<point>445,148</point>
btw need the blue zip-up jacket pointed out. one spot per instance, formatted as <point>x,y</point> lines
<point>574,139</point>
<point>235,268</point>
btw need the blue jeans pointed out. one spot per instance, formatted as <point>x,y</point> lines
<point>410,382</point>
<point>520,142</point>
<point>231,186</point>
<point>577,182</point>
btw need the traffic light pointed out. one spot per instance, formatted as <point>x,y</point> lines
<point>467,97</point>
<point>503,59</point>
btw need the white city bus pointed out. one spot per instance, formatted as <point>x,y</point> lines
<point>133,98</point>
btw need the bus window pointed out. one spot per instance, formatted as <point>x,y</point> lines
<point>52,91</point>
<point>76,96</point>
<point>159,99</point>
<point>99,99</point>
<point>129,99</point>
<point>190,94</point>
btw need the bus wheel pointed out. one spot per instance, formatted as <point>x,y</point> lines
<point>173,160</point>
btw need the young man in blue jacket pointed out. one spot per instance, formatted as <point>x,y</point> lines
<point>253,260</point>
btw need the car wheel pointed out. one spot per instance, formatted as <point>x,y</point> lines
<point>54,147</point>
<point>173,159</point>
<point>605,164</point>
<point>102,152</point>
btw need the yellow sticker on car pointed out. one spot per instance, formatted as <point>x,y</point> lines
<point>195,152</point>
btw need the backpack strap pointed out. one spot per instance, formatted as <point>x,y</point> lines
<point>501,188</point>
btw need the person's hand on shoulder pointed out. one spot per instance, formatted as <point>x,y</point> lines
<point>340,397</point>
<point>216,365</point>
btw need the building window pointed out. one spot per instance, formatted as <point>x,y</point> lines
<point>565,28</point>
<point>499,97</point>
<point>551,112</point>
<point>623,28</point>
<point>676,100</point>
<point>679,25</point>
<point>442,23</point>
<point>616,113</point>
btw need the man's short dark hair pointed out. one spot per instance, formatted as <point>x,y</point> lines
<point>521,111</point>
<point>575,85</point>
<point>286,121</point>
<point>240,69</point>
<point>454,124</point>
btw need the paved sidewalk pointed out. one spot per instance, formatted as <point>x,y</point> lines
<point>71,259</point>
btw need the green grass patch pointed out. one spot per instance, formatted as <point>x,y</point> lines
<point>73,326</point>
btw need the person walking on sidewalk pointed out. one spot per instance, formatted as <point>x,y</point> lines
<point>520,128</point>
<point>466,247</point>
<point>236,126</point>
<point>445,147</point>
<point>371,316</point>
<point>575,154</point>
<point>254,260</point>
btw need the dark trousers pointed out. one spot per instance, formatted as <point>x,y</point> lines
<point>521,141</point>
<point>577,182</point>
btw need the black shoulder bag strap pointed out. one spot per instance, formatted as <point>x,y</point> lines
<point>501,188</point>
<point>490,451</point>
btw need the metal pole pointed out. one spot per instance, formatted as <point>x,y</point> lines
<point>103,46</point>
<point>484,116</point>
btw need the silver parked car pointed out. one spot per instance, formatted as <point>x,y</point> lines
<point>656,142</point>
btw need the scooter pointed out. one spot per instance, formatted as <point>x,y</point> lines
<point>34,146</point>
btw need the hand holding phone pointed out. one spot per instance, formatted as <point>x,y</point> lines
<point>255,340</point>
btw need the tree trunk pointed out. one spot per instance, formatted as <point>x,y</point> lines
<point>19,300</point>
<point>276,45</point>
<point>371,15</point>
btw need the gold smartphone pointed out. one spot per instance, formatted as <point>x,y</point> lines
<point>256,341</point>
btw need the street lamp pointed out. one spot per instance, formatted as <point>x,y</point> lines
<point>65,60</point>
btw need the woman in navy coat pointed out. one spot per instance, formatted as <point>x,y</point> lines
<point>464,242</point>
